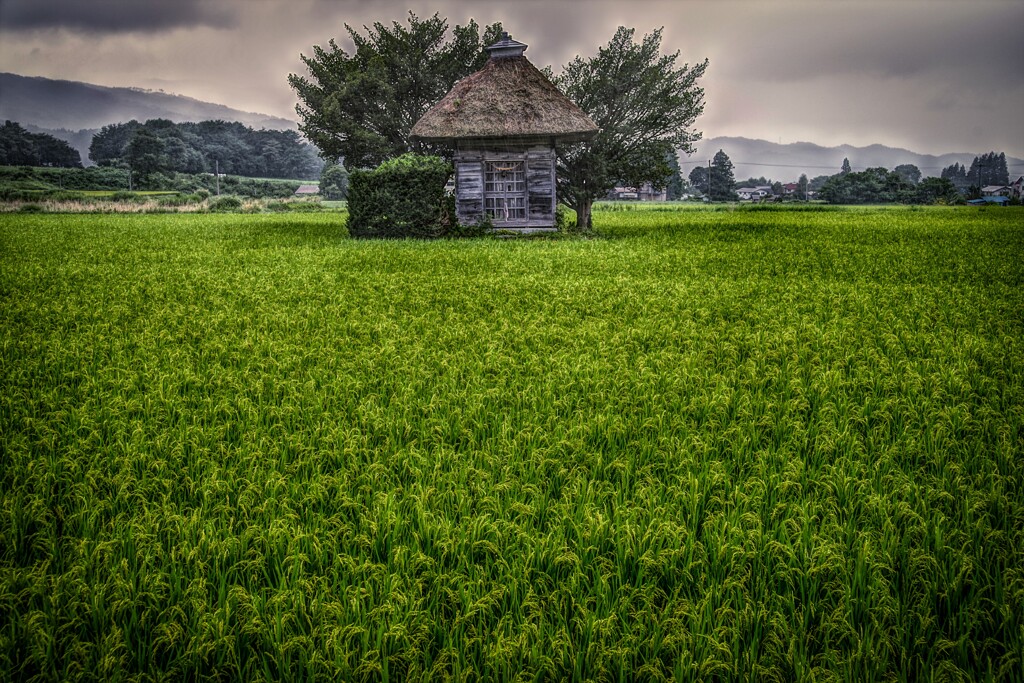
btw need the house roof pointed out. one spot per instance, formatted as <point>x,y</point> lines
<point>508,97</point>
<point>994,188</point>
<point>308,189</point>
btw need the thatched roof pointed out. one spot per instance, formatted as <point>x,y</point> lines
<point>508,97</point>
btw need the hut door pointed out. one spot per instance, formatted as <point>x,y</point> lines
<point>505,191</point>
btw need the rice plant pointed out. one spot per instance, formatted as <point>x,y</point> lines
<point>704,445</point>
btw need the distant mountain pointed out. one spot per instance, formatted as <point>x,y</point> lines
<point>74,111</point>
<point>73,105</point>
<point>756,158</point>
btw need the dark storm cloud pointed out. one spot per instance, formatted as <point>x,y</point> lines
<point>115,16</point>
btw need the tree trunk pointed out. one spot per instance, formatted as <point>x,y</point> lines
<point>584,217</point>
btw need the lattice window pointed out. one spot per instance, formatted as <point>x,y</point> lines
<point>505,190</point>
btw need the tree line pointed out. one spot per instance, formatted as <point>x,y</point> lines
<point>18,147</point>
<point>903,184</point>
<point>987,169</point>
<point>162,146</point>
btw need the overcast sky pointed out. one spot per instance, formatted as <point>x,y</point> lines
<point>934,76</point>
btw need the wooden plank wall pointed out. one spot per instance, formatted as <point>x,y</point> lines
<point>540,180</point>
<point>540,185</point>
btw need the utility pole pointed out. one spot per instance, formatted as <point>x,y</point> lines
<point>709,180</point>
<point>216,174</point>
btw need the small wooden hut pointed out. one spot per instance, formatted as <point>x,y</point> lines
<point>504,122</point>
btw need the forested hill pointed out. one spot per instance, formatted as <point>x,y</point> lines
<point>72,105</point>
<point>162,146</point>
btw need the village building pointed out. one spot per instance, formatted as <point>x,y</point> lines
<point>754,193</point>
<point>504,122</point>
<point>996,191</point>
<point>1017,188</point>
<point>644,193</point>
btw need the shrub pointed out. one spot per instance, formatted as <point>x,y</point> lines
<point>32,208</point>
<point>565,219</point>
<point>124,196</point>
<point>226,203</point>
<point>402,197</point>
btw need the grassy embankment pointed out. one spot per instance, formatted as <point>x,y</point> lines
<point>752,445</point>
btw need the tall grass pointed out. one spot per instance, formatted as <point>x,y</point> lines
<point>704,446</point>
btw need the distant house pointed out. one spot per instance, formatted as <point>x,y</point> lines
<point>308,189</point>
<point>1001,200</point>
<point>790,189</point>
<point>754,193</point>
<point>645,193</point>
<point>996,191</point>
<point>1017,188</point>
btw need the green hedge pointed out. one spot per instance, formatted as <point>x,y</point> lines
<point>402,197</point>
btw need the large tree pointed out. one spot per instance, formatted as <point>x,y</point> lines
<point>699,179</point>
<point>956,174</point>
<point>802,186</point>
<point>723,183</point>
<point>645,105</point>
<point>360,107</point>
<point>675,187</point>
<point>909,172</point>
<point>146,153</point>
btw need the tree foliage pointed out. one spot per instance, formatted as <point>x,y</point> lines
<point>936,191</point>
<point>360,107</point>
<point>334,182</point>
<point>18,147</point>
<point>675,186</point>
<point>803,185</point>
<point>956,174</point>
<point>873,186</point>
<point>159,145</point>
<point>145,153</point>
<point>699,179</point>
<point>645,105</point>
<point>723,183</point>
<point>909,172</point>
<point>989,169</point>
<point>846,168</point>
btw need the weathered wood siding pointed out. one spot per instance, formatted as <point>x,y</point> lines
<point>540,186</point>
<point>539,167</point>
<point>469,188</point>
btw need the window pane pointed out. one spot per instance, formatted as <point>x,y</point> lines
<point>505,190</point>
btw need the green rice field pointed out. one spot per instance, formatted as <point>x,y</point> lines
<point>704,445</point>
